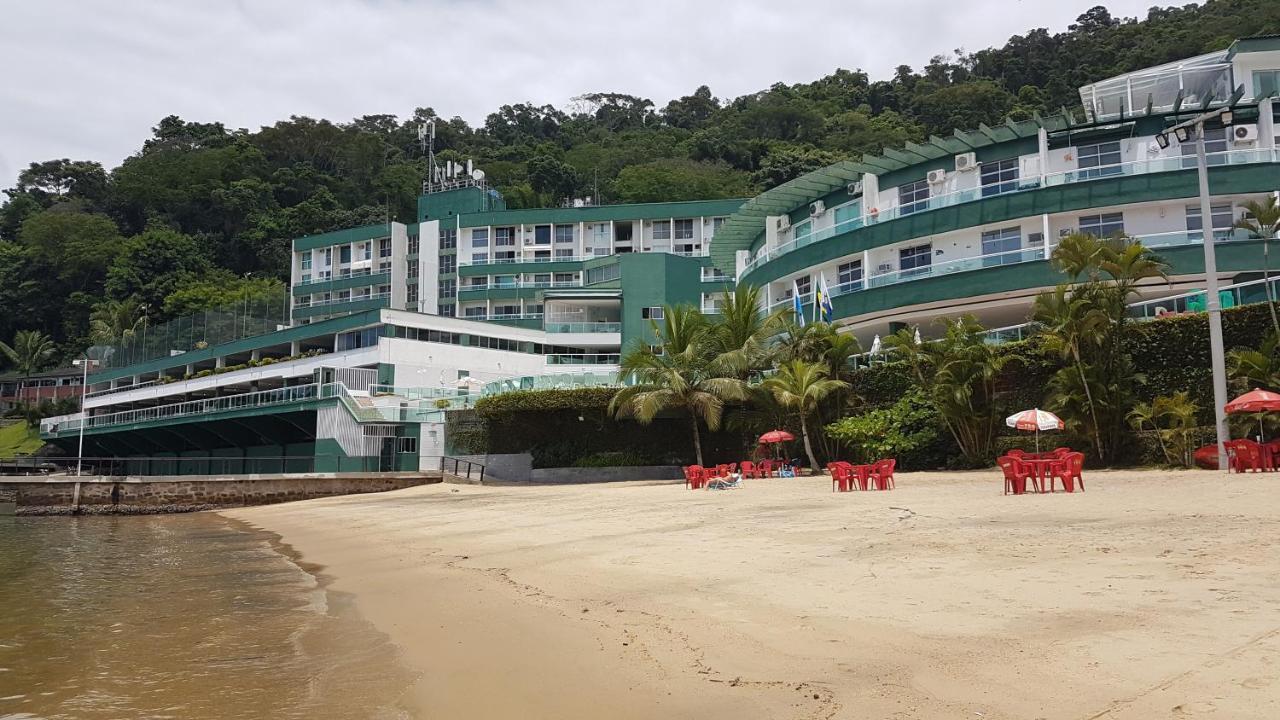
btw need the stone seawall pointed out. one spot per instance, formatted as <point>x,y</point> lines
<point>156,495</point>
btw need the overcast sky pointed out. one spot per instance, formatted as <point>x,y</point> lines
<point>87,79</point>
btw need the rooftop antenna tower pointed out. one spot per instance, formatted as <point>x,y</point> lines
<point>427,139</point>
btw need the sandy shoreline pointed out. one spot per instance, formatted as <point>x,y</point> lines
<point>1152,595</point>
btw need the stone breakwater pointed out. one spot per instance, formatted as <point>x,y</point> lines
<point>161,495</point>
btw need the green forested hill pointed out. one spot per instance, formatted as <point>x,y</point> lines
<point>180,224</point>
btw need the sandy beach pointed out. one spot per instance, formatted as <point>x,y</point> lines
<point>1151,595</point>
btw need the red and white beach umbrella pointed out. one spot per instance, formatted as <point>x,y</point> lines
<point>1034,419</point>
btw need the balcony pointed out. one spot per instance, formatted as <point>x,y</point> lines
<point>518,260</point>
<point>587,359</point>
<point>1059,179</point>
<point>583,327</point>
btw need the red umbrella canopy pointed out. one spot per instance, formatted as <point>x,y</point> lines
<point>1255,401</point>
<point>776,436</point>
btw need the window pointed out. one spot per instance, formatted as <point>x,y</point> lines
<point>535,309</point>
<point>344,295</point>
<point>1104,225</point>
<point>328,256</point>
<point>564,253</point>
<point>504,237</point>
<point>478,311</point>
<point>448,239</point>
<point>999,246</point>
<point>344,254</point>
<point>1222,221</point>
<point>384,248</point>
<point>448,263</point>
<point>478,281</point>
<point>848,213</point>
<point>542,280</point>
<point>804,285</point>
<point>384,289</point>
<point>306,279</point>
<point>801,231</point>
<point>479,258</point>
<point>915,260</point>
<point>367,337</point>
<point>1099,160</point>
<point>913,197</point>
<point>714,274</point>
<point>1265,82</point>
<point>652,313</point>
<point>414,244</point>
<point>849,276</point>
<point>411,295</point>
<point>604,273</point>
<point>448,310</point>
<point>684,229</point>
<point>324,274</point>
<point>1215,144</point>
<point>479,237</point>
<point>306,260</point>
<point>716,223</point>
<point>661,229</point>
<point>366,250</point>
<point>564,233</point>
<point>999,177</point>
<point>563,279</point>
<point>505,281</point>
<point>712,302</point>
<point>447,288</point>
<point>541,234</point>
<point>407,445</point>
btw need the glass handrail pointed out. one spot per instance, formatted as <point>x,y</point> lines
<point>583,327</point>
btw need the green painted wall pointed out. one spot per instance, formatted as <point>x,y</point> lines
<point>451,203</point>
<point>652,280</point>
<point>342,237</point>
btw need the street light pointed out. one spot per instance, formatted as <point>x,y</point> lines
<point>85,362</point>
<point>1183,133</point>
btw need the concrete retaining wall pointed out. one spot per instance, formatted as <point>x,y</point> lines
<point>605,474</point>
<point>153,495</point>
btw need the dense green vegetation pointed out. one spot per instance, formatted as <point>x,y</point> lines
<point>180,224</point>
<point>19,438</point>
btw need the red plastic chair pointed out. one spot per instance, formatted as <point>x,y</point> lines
<point>695,476</point>
<point>882,474</point>
<point>1016,475</point>
<point>1273,454</point>
<point>749,469</point>
<point>1245,455</point>
<point>1016,454</point>
<point>766,468</point>
<point>1068,471</point>
<point>841,474</point>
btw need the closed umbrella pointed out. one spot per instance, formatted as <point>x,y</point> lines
<point>1034,419</point>
<point>875,345</point>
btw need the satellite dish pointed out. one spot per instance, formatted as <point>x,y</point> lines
<point>477,175</point>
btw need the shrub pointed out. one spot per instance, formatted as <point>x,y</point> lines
<point>898,431</point>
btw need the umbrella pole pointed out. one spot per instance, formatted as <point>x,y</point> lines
<point>1037,438</point>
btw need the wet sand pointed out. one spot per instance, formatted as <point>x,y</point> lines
<point>1151,595</point>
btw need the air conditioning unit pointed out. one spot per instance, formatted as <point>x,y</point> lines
<point>817,208</point>
<point>966,162</point>
<point>784,222</point>
<point>1065,232</point>
<point>855,188</point>
<point>937,177</point>
<point>1244,134</point>
<point>883,268</point>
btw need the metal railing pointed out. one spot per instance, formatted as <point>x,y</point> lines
<point>1103,172</point>
<point>243,401</point>
<point>341,301</point>
<point>362,272</point>
<point>523,260</point>
<point>519,284</point>
<point>460,467</point>
<point>583,327</point>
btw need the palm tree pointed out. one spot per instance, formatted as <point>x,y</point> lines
<point>680,375</point>
<point>1263,221</point>
<point>114,321</point>
<point>800,386</point>
<point>741,337</point>
<point>1071,322</point>
<point>30,351</point>
<point>1257,368</point>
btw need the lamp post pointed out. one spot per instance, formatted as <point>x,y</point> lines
<point>1212,303</point>
<point>84,388</point>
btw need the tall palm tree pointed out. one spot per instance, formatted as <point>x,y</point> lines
<point>680,375</point>
<point>30,351</point>
<point>800,386</point>
<point>114,321</point>
<point>1263,222</point>
<point>741,337</point>
<point>1071,322</point>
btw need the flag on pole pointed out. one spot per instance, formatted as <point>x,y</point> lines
<point>796,303</point>
<point>823,303</point>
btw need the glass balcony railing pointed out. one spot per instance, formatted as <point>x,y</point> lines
<point>518,260</point>
<point>589,359</point>
<point>1142,167</point>
<point>583,327</point>
<point>342,301</point>
<point>522,284</point>
<point>244,401</point>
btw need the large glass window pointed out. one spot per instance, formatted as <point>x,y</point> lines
<point>344,254</point>
<point>999,246</point>
<point>604,273</point>
<point>804,284</point>
<point>684,229</point>
<point>1215,145</point>
<point>448,288</point>
<point>801,231</point>
<point>306,260</point>
<point>504,237</point>
<point>564,233</point>
<point>1000,176</point>
<point>384,247</point>
<point>847,213</point>
<point>480,237</point>
<point>662,230</point>
<point>1266,82</point>
<point>1222,221</point>
<point>849,276</point>
<point>474,312</point>
<point>542,235</point>
<point>1099,160</point>
<point>448,263</point>
<point>448,239</point>
<point>1104,225</point>
<point>915,260</point>
<point>913,197</point>
<point>447,310</point>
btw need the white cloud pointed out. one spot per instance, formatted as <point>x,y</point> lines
<point>87,80</point>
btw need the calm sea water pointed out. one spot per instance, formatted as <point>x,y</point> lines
<point>187,616</point>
